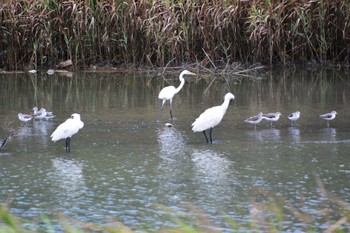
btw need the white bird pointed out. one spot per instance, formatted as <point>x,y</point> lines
<point>328,116</point>
<point>211,118</point>
<point>254,119</point>
<point>275,116</point>
<point>67,129</point>
<point>42,113</point>
<point>24,117</point>
<point>294,117</point>
<point>48,115</point>
<point>167,93</point>
<point>38,114</point>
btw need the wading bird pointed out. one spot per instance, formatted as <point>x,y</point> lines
<point>24,117</point>
<point>328,116</point>
<point>67,129</point>
<point>254,119</point>
<point>38,114</point>
<point>167,93</point>
<point>294,117</point>
<point>275,116</point>
<point>211,118</point>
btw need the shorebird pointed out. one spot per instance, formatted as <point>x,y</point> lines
<point>272,117</point>
<point>211,118</point>
<point>24,117</point>
<point>294,117</point>
<point>42,113</point>
<point>328,116</point>
<point>254,119</point>
<point>67,129</point>
<point>38,114</point>
<point>167,93</point>
<point>48,115</point>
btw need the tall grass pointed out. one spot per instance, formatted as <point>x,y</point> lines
<point>160,33</point>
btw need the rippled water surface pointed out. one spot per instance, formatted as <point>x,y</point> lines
<point>125,166</point>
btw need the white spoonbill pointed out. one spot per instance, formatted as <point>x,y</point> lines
<point>211,118</point>
<point>67,129</point>
<point>328,116</point>
<point>167,93</point>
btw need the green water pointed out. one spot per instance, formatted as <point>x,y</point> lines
<point>124,165</point>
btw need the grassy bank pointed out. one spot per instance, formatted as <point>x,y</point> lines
<point>172,32</point>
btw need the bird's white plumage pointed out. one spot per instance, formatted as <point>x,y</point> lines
<point>212,116</point>
<point>24,117</point>
<point>168,92</point>
<point>254,119</point>
<point>294,116</point>
<point>68,128</point>
<point>275,116</point>
<point>328,116</point>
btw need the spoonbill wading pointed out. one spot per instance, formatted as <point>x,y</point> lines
<point>67,129</point>
<point>211,118</point>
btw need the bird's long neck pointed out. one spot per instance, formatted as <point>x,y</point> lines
<point>225,104</point>
<point>182,80</point>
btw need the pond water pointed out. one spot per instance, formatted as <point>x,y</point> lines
<point>125,166</point>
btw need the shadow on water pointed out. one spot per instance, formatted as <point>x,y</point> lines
<point>123,162</point>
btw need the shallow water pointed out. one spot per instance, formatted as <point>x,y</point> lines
<point>126,166</point>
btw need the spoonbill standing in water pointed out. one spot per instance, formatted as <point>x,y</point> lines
<point>211,118</point>
<point>167,93</point>
<point>67,129</point>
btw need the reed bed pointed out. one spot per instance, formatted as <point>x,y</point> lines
<point>161,33</point>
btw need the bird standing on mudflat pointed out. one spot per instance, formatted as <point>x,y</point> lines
<point>167,93</point>
<point>67,129</point>
<point>328,116</point>
<point>211,118</point>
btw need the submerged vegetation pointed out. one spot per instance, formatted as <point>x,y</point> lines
<point>160,33</point>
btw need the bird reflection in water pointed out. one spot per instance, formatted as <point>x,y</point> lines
<point>213,174</point>
<point>68,180</point>
<point>171,142</point>
<point>294,133</point>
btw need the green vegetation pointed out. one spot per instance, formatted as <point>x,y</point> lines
<point>267,213</point>
<point>163,33</point>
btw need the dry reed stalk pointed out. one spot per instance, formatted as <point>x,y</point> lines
<point>154,32</point>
